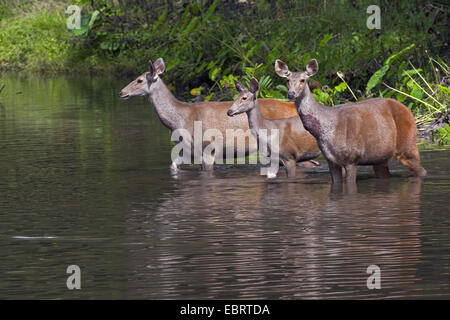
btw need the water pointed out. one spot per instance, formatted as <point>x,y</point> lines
<point>84,180</point>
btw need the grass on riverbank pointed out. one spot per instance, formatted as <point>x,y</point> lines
<point>34,40</point>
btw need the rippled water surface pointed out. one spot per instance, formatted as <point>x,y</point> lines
<point>85,180</point>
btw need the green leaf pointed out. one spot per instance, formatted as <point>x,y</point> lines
<point>160,20</point>
<point>93,18</point>
<point>401,67</point>
<point>282,88</point>
<point>325,39</point>
<point>389,94</point>
<point>376,78</point>
<point>411,72</point>
<point>80,32</point>
<point>274,94</point>
<point>255,48</point>
<point>210,11</point>
<point>321,96</point>
<point>190,27</point>
<point>389,60</point>
<point>400,97</point>
<point>411,84</point>
<point>196,91</point>
<point>213,73</point>
<point>444,89</point>
<point>209,97</point>
<point>417,93</point>
<point>105,45</point>
<point>341,87</point>
<point>265,82</point>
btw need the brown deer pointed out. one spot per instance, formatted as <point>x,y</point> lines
<point>295,143</point>
<point>368,132</point>
<point>175,114</point>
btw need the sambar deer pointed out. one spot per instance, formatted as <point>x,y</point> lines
<point>295,144</point>
<point>175,114</point>
<point>368,132</point>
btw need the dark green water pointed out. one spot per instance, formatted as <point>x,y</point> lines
<point>85,180</point>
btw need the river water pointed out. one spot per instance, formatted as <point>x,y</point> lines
<point>85,180</point>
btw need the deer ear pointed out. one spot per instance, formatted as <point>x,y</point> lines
<point>254,86</point>
<point>282,69</point>
<point>160,67</point>
<point>151,72</point>
<point>151,68</point>
<point>239,86</point>
<point>312,67</point>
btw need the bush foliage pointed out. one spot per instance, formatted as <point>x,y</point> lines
<point>208,43</point>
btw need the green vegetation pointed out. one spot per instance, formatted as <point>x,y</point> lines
<point>207,44</point>
<point>444,134</point>
<point>32,38</point>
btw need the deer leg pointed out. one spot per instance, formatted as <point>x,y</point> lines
<point>336,172</point>
<point>271,172</point>
<point>176,162</point>
<point>174,165</point>
<point>382,170</point>
<point>350,171</point>
<point>208,161</point>
<point>290,168</point>
<point>207,166</point>
<point>179,159</point>
<point>351,188</point>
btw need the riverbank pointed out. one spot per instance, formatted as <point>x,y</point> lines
<point>208,44</point>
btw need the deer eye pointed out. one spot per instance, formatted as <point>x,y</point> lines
<point>244,98</point>
<point>303,80</point>
<point>139,81</point>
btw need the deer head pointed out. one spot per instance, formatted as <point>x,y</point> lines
<point>296,80</point>
<point>142,85</point>
<point>245,101</point>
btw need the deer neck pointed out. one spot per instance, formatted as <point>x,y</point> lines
<point>170,110</point>
<point>255,119</point>
<point>315,117</point>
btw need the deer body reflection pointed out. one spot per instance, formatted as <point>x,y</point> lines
<point>229,238</point>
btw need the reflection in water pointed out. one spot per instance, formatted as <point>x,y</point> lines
<point>298,239</point>
<point>84,180</point>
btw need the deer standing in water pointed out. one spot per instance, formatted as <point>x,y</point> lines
<point>369,132</point>
<point>295,143</point>
<point>175,114</point>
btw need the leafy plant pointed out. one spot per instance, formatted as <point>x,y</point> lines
<point>377,77</point>
<point>426,98</point>
<point>265,83</point>
<point>331,96</point>
<point>442,136</point>
<point>208,44</point>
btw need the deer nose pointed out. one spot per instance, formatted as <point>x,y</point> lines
<point>123,95</point>
<point>290,95</point>
<point>229,113</point>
